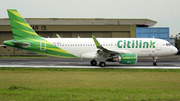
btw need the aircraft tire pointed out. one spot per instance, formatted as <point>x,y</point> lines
<point>102,64</point>
<point>93,62</point>
<point>154,63</point>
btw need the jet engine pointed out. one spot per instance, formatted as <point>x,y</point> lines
<point>124,58</point>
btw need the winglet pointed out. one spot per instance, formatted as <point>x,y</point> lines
<point>96,42</point>
<point>58,36</point>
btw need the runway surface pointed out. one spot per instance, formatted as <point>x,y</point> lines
<point>50,62</point>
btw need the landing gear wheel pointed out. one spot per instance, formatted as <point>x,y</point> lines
<point>154,63</point>
<point>102,64</point>
<point>93,63</point>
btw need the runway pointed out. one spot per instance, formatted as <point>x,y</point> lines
<point>85,63</point>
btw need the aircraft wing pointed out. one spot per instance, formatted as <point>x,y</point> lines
<point>109,51</point>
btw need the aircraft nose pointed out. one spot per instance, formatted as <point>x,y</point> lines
<point>174,50</point>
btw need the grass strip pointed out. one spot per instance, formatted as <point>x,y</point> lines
<point>38,84</point>
<point>91,69</point>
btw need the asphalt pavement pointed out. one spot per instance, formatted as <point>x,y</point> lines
<point>170,62</point>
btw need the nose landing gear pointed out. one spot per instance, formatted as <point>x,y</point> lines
<point>154,61</point>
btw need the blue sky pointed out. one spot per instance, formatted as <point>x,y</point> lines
<point>165,12</point>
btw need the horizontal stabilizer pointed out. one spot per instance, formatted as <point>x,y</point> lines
<point>23,44</point>
<point>2,45</point>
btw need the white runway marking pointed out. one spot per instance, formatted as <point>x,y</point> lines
<point>113,67</point>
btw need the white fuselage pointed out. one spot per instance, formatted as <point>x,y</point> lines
<point>140,46</point>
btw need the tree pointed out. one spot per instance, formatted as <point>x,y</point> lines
<point>177,41</point>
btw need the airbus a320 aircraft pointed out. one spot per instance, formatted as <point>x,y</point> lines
<point>122,50</point>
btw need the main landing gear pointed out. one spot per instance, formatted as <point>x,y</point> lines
<point>93,62</point>
<point>154,61</point>
<point>101,64</point>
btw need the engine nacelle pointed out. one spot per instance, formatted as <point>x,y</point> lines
<point>124,58</point>
<point>128,58</point>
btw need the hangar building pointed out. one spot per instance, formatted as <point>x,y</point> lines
<point>82,27</point>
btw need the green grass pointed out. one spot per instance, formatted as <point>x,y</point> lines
<point>19,84</point>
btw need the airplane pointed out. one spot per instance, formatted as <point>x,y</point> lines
<point>122,50</point>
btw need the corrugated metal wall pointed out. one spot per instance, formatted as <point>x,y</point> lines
<point>118,34</point>
<point>145,32</point>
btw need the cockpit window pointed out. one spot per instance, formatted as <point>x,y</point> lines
<point>168,44</point>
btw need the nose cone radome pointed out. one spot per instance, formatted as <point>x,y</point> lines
<point>174,50</point>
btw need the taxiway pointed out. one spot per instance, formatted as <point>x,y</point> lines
<point>50,62</point>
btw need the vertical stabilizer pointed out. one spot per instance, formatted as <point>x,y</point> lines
<point>20,28</point>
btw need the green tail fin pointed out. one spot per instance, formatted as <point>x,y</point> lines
<point>20,28</point>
